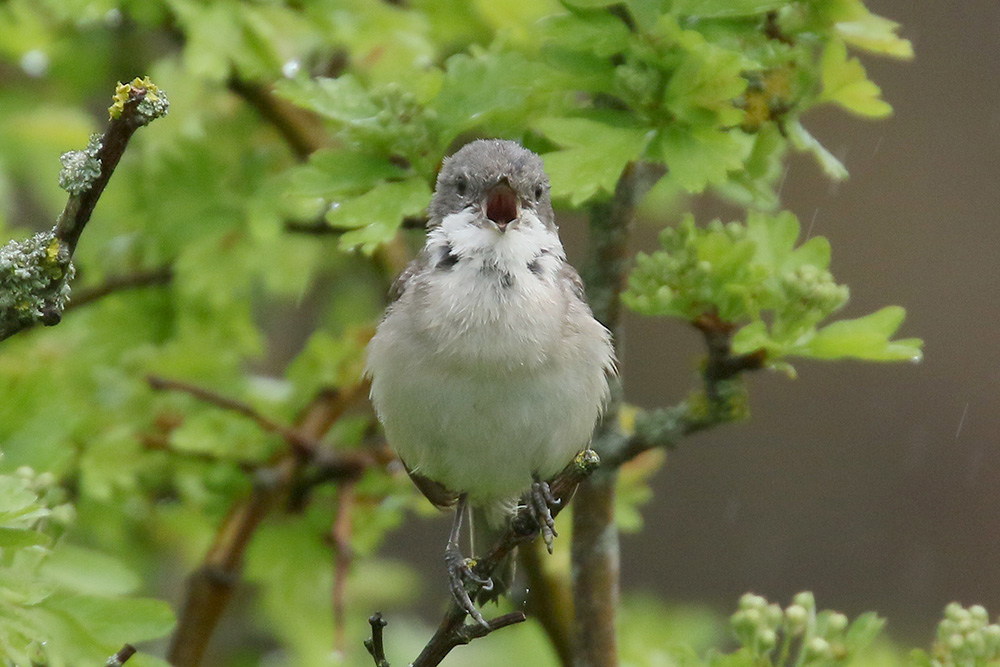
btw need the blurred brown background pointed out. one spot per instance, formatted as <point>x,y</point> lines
<point>875,486</point>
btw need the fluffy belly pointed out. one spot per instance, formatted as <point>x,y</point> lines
<point>485,434</point>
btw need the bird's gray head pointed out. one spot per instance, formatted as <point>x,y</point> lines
<point>498,181</point>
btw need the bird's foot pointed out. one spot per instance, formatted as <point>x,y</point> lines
<point>460,574</point>
<point>540,502</point>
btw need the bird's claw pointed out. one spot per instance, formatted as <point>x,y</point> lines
<point>460,574</point>
<point>540,502</point>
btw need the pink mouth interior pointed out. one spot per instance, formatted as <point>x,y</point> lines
<point>501,207</point>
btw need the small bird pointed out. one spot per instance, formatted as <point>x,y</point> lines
<point>488,370</point>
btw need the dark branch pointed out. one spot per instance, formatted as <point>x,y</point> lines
<point>293,437</point>
<point>120,658</point>
<point>374,644</point>
<point>301,130</point>
<point>34,274</point>
<point>154,277</point>
<point>211,586</point>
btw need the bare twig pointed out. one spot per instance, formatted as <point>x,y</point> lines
<point>41,267</point>
<point>374,644</point>
<point>120,658</point>
<point>296,439</point>
<point>453,630</point>
<point>114,284</point>
<point>212,584</point>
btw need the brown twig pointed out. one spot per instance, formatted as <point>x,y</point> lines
<point>302,131</point>
<point>453,630</point>
<point>294,437</point>
<point>343,554</point>
<point>120,658</point>
<point>212,584</point>
<point>154,277</point>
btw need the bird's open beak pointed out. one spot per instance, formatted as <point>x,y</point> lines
<point>501,205</point>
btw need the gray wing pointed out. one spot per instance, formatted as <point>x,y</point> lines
<point>415,267</point>
<point>569,276</point>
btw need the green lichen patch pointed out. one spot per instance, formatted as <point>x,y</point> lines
<point>81,168</point>
<point>34,276</point>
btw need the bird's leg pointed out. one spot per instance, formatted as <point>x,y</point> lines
<point>540,502</point>
<point>460,568</point>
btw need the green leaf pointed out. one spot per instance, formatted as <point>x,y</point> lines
<point>17,538</point>
<point>874,33</point>
<point>599,33</point>
<point>375,216</point>
<point>116,621</point>
<point>595,157</point>
<point>343,99</point>
<point>335,172</point>
<point>700,156</point>
<point>477,89</point>
<point>83,570</point>
<point>863,631</point>
<point>846,83</point>
<point>707,80</point>
<point>725,8</point>
<point>865,338</point>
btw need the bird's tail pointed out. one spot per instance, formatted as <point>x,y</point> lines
<point>489,523</point>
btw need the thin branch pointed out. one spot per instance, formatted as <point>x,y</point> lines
<point>297,440</point>
<point>151,278</point>
<point>212,584</point>
<point>453,630</point>
<point>374,645</point>
<point>302,131</point>
<point>40,268</point>
<point>120,658</point>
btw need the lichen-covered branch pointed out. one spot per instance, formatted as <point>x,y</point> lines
<point>453,630</point>
<point>35,273</point>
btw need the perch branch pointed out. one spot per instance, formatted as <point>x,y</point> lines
<point>34,274</point>
<point>453,630</point>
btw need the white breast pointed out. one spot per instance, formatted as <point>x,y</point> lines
<point>489,373</point>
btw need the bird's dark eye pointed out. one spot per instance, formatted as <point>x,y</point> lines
<point>461,186</point>
<point>539,191</point>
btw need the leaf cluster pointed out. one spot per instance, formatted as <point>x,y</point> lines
<point>754,276</point>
